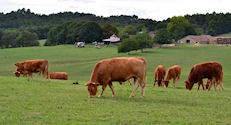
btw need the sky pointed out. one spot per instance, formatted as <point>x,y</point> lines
<point>148,9</point>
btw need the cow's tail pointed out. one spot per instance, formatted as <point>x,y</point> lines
<point>145,74</point>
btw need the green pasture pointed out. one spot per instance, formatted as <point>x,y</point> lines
<point>60,102</point>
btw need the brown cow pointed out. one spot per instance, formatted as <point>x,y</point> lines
<point>173,73</point>
<point>118,69</point>
<point>58,75</point>
<point>210,70</point>
<point>212,81</point>
<point>32,66</point>
<point>159,75</point>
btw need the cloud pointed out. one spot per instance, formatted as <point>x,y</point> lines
<point>154,9</point>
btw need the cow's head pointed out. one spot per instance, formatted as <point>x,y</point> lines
<point>92,88</point>
<point>17,74</point>
<point>188,85</point>
<point>19,67</point>
<point>166,82</point>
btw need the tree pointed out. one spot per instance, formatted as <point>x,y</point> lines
<point>162,36</point>
<point>8,39</point>
<point>26,39</point>
<point>1,43</point>
<point>108,30</point>
<point>179,27</point>
<point>128,45</point>
<point>90,32</point>
<point>71,32</point>
<point>144,40</point>
<point>130,30</point>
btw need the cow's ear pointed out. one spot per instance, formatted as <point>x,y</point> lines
<point>16,64</point>
<point>89,83</point>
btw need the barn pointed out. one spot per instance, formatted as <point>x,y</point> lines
<point>202,39</point>
<point>112,39</point>
<point>223,40</point>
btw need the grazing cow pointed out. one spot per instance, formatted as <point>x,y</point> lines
<point>173,73</point>
<point>212,81</point>
<point>32,66</point>
<point>159,75</point>
<point>118,69</point>
<point>58,75</point>
<point>209,70</point>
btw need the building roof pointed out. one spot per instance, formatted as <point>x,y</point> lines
<point>199,38</point>
<point>113,39</point>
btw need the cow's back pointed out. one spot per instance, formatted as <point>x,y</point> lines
<point>58,75</point>
<point>120,69</point>
<point>160,72</point>
<point>174,72</point>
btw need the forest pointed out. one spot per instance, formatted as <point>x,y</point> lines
<point>24,22</point>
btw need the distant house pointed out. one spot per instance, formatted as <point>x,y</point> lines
<point>202,39</point>
<point>112,39</point>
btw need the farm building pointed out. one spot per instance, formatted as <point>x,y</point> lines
<point>222,40</point>
<point>112,39</point>
<point>202,39</point>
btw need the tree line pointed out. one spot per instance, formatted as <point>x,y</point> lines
<point>77,26</point>
<point>177,28</point>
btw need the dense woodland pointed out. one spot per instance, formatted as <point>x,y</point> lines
<point>23,21</point>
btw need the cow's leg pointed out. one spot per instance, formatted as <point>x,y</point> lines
<point>130,81</point>
<point>30,74</point>
<point>210,85</point>
<point>154,83</point>
<point>103,88</point>
<point>199,84</point>
<point>176,82</point>
<point>215,86</point>
<point>142,88</point>
<point>36,74</point>
<point>135,88</point>
<point>44,75</point>
<point>222,88</point>
<point>112,89</point>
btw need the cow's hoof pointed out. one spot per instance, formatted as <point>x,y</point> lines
<point>91,96</point>
<point>100,96</point>
<point>131,96</point>
<point>113,95</point>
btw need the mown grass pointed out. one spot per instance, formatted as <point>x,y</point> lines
<point>61,102</point>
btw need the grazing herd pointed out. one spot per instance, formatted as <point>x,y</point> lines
<point>123,69</point>
<point>37,66</point>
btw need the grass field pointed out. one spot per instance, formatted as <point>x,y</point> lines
<point>61,102</point>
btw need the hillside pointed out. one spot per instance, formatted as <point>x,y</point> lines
<point>225,35</point>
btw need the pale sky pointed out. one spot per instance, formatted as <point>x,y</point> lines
<point>152,9</point>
